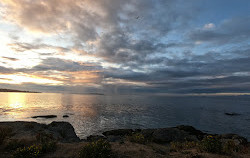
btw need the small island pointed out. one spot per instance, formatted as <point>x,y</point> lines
<point>58,139</point>
<point>16,91</point>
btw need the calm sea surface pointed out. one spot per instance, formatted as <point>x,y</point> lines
<point>93,114</point>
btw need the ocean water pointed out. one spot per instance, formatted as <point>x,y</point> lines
<point>93,114</point>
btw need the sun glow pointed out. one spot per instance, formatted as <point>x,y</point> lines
<point>19,79</point>
<point>16,100</point>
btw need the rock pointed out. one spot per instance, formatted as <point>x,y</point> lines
<point>166,135</point>
<point>64,131</point>
<point>44,116</point>
<point>192,131</point>
<point>61,131</point>
<point>64,116</point>
<point>232,114</point>
<point>147,133</point>
<point>113,138</point>
<point>118,132</point>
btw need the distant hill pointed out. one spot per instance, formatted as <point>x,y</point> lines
<point>12,90</point>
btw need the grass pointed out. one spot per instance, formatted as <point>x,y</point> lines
<point>96,149</point>
<point>4,132</point>
<point>179,146</point>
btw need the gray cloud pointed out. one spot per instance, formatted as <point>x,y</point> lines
<point>231,30</point>
<point>136,36</point>
<point>64,65</point>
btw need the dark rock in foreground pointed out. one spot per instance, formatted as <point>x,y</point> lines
<point>118,132</point>
<point>61,131</point>
<point>161,135</point>
<point>166,135</point>
<point>45,116</point>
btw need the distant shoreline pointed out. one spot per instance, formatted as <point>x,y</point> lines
<point>17,91</point>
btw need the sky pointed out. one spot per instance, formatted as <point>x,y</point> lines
<point>125,47</point>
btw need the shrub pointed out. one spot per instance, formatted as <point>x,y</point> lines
<point>4,132</point>
<point>230,147</point>
<point>97,149</point>
<point>137,138</point>
<point>211,144</point>
<point>47,142</point>
<point>48,146</point>
<point>43,137</point>
<point>34,151</point>
<point>177,146</point>
<point>14,144</point>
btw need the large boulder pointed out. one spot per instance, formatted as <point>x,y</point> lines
<point>61,131</point>
<point>166,135</point>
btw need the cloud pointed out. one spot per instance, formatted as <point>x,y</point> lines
<point>24,46</point>
<point>231,30</point>
<point>64,65</point>
<point>209,26</point>
<point>135,46</point>
<point>10,58</point>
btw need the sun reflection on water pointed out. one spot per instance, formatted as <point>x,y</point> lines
<point>16,100</point>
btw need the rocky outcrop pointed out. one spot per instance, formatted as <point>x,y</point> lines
<point>192,131</point>
<point>161,135</point>
<point>174,134</point>
<point>118,132</point>
<point>166,135</point>
<point>61,131</point>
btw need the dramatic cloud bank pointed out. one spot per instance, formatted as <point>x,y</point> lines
<point>117,46</point>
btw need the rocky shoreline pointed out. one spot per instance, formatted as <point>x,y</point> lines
<point>67,141</point>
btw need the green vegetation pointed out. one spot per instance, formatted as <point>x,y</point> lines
<point>34,151</point>
<point>46,144</point>
<point>211,144</point>
<point>96,149</point>
<point>137,138</point>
